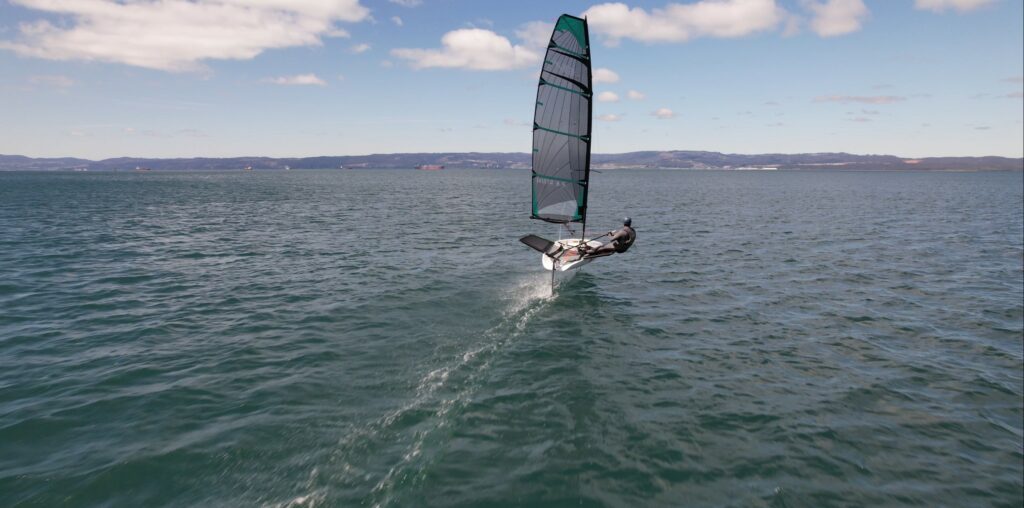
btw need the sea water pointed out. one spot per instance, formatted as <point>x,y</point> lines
<point>380,338</point>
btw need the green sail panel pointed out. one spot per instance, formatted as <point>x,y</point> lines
<point>561,125</point>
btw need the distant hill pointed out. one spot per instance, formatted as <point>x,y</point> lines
<point>675,159</point>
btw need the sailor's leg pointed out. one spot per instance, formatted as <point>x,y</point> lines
<point>599,254</point>
<point>602,251</point>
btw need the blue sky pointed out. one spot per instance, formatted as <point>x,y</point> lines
<point>218,78</point>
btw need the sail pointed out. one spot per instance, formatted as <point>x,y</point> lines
<point>561,125</point>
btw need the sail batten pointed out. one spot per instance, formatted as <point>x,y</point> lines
<point>575,83</point>
<point>562,125</point>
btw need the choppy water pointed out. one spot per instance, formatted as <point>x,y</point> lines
<point>355,338</point>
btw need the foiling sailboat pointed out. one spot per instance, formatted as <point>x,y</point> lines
<point>561,144</point>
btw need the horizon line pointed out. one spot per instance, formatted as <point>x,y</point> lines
<point>500,152</point>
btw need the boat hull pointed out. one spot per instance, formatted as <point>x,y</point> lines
<point>570,260</point>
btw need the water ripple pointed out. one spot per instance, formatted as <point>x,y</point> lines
<point>377,338</point>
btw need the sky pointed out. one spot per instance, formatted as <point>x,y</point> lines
<point>297,78</point>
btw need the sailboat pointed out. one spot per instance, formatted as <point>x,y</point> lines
<point>561,144</point>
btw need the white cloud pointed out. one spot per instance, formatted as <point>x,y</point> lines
<point>682,22</point>
<point>360,48</point>
<point>387,64</point>
<point>608,97</point>
<point>942,5</point>
<point>602,75</point>
<point>177,35</point>
<point>1014,95</point>
<point>397,20</point>
<point>791,25</point>
<point>54,81</point>
<point>610,118</point>
<point>663,113</point>
<point>338,33</point>
<point>299,79</point>
<point>479,22</point>
<point>836,17</point>
<point>635,95</point>
<point>471,48</point>
<point>535,34</point>
<point>407,3</point>
<point>1015,79</point>
<point>874,99</point>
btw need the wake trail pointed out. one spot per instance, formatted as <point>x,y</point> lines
<point>437,395</point>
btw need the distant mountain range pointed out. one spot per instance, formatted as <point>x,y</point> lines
<point>676,159</point>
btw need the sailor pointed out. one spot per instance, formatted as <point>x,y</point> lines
<point>621,240</point>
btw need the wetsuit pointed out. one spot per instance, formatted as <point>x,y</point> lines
<point>621,240</point>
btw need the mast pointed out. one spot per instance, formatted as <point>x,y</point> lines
<point>590,127</point>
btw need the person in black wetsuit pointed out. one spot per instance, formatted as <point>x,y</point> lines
<point>621,240</point>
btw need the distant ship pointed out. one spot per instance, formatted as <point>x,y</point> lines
<point>248,168</point>
<point>287,168</point>
<point>140,168</point>
<point>430,167</point>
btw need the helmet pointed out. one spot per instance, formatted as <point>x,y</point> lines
<point>627,222</point>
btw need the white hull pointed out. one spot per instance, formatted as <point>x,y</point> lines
<point>569,260</point>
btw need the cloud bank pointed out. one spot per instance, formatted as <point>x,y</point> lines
<point>177,35</point>
<point>471,48</point>
<point>602,75</point>
<point>836,17</point>
<point>300,79</point>
<point>943,5</point>
<point>663,114</point>
<point>682,22</point>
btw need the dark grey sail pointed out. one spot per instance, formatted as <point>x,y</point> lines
<point>561,125</point>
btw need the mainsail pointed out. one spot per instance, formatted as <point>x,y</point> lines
<point>561,126</point>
